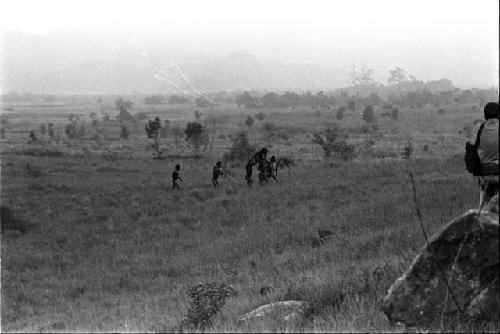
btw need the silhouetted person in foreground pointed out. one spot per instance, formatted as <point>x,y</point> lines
<point>217,171</point>
<point>487,150</point>
<point>176,177</point>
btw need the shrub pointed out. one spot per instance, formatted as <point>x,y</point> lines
<point>407,150</point>
<point>260,116</point>
<point>334,142</point>
<point>240,149</point>
<point>249,121</point>
<point>207,299</point>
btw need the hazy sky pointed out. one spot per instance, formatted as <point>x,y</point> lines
<point>430,38</point>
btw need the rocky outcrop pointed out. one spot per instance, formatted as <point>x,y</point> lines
<point>419,297</point>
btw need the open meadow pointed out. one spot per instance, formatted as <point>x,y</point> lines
<point>102,243</point>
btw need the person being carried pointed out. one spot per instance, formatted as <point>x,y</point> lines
<point>176,177</point>
<point>217,171</point>
<point>487,149</point>
<point>258,158</point>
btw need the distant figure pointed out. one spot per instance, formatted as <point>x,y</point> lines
<point>487,150</point>
<point>264,169</point>
<point>274,168</point>
<point>176,177</point>
<point>217,171</point>
<point>259,158</point>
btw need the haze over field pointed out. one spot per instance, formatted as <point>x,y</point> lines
<point>118,47</point>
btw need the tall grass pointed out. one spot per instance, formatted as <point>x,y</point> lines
<point>120,250</point>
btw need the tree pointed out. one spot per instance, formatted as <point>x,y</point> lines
<point>351,106</point>
<point>153,132</point>
<point>194,136</point>
<point>32,137</point>
<point>361,76</point>
<point>176,130</point>
<point>197,115</point>
<point>50,130</point>
<point>153,99</point>
<point>43,131</point>
<point>368,115</point>
<point>202,102</point>
<point>334,141</point>
<point>165,128</point>
<point>397,76</point>
<point>124,132</point>
<point>260,116</point>
<point>120,102</point>
<point>240,149</point>
<point>249,121</point>
<point>177,99</point>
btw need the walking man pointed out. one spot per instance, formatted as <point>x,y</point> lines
<point>217,171</point>
<point>176,177</point>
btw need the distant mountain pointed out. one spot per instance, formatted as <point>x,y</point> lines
<point>78,62</point>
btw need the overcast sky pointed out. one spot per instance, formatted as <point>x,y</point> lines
<point>431,39</point>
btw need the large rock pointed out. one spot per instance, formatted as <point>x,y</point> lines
<point>417,298</point>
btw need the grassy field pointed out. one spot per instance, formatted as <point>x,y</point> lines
<point>110,247</point>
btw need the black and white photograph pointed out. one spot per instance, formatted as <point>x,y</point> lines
<point>190,166</point>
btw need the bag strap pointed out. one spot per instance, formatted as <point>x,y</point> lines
<point>478,136</point>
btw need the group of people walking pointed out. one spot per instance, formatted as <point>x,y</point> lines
<point>268,170</point>
<point>481,160</point>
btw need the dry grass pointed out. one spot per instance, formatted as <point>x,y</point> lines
<point>113,248</point>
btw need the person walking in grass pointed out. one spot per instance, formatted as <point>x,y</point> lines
<point>176,177</point>
<point>487,149</point>
<point>217,171</point>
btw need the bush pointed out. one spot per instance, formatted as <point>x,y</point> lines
<point>334,141</point>
<point>207,299</point>
<point>260,116</point>
<point>249,121</point>
<point>9,221</point>
<point>407,150</point>
<point>240,149</point>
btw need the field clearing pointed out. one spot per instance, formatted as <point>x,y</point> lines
<point>110,246</point>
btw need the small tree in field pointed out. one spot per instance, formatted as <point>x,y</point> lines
<point>333,141</point>
<point>249,121</point>
<point>176,130</point>
<point>197,115</point>
<point>240,150</point>
<point>153,132</point>
<point>124,132</point>
<point>194,136</point>
<point>260,116</point>
<point>368,114</point>
<point>32,137</point>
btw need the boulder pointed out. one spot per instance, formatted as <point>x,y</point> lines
<point>284,311</point>
<point>418,297</point>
